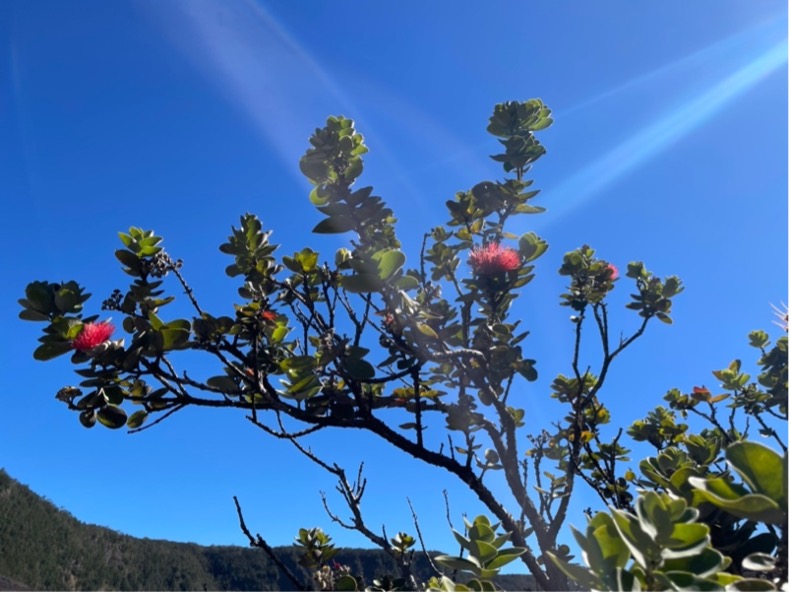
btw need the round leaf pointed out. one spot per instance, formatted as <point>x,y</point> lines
<point>137,419</point>
<point>49,351</point>
<point>112,417</point>
<point>761,467</point>
<point>363,283</point>
<point>390,262</point>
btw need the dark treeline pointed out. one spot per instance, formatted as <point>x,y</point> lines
<point>47,549</point>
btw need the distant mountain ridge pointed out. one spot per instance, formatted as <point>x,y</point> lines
<point>45,548</point>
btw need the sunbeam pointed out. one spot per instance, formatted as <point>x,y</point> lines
<point>248,56</point>
<point>700,59</point>
<point>662,133</point>
<point>268,75</point>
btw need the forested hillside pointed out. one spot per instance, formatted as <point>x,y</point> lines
<point>48,549</point>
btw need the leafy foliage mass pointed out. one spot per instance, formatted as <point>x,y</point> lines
<point>431,359</point>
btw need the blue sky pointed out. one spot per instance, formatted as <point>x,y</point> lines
<point>669,146</point>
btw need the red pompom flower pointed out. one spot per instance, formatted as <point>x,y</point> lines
<point>493,259</point>
<point>92,335</point>
<point>613,272</point>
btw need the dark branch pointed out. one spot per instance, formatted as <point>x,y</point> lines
<point>259,542</point>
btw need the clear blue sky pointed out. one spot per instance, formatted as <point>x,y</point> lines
<point>669,146</point>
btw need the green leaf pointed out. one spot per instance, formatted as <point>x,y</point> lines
<point>223,384</point>
<point>612,552</point>
<point>149,250</point>
<point>505,556</point>
<point>39,296</point>
<point>112,417</point>
<point>127,240</point>
<point>582,576</point>
<point>88,418</point>
<point>529,209</point>
<point>335,224</point>
<point>704,564</point>
<point>751,584</point>
<point>482,522</point>
<point>307,259</point>
<point>687,581</point>
<point>137,419</point>
<point>51,350</point>
<point>359,369</point>
<point>174,338</point>
<point>294,366</point>
<point>68,298</point>
<point>463,541</point>
<point>485,551</point>
<point>346,583</point>
<point>113,395</point>
<point>761,468</point>
<point>390,261</point>
<point>319,196</point>
<point>487,573</point>
<point>759,562</point>
<point>526,368</point>
<point>531,246</point>
<point>426,330</point>
<point>362,283</point>
<point>291,264</point>
<point>642,547</point>
<point>305,386</point>
<point>654,518</point>
<point>455,563</point>
<point>155,321</point>
<point>354,169</point>
<point>717,486</point>
<point>755,507</point>
<point>279,334</point>
<point>662,317</point>
<point>130,261</point>
<point>687,537</point>
<point>758,339</point>
<point>33,315</point>
<point>406,282</point>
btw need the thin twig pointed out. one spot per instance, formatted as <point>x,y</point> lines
<point>159,419</point>
<point>420,537</point>
<point>447,509</point>
<point>187,290</point>
<point>259,542</point>
<point>418,408</point>
<point>284,434</point>
<point>769,431</point>
<point>450,524</point>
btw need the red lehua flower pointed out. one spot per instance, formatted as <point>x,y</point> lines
<point>493,259</point>
<point>92,335</point>
<point>613,272</point>
<point>269,315</point>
